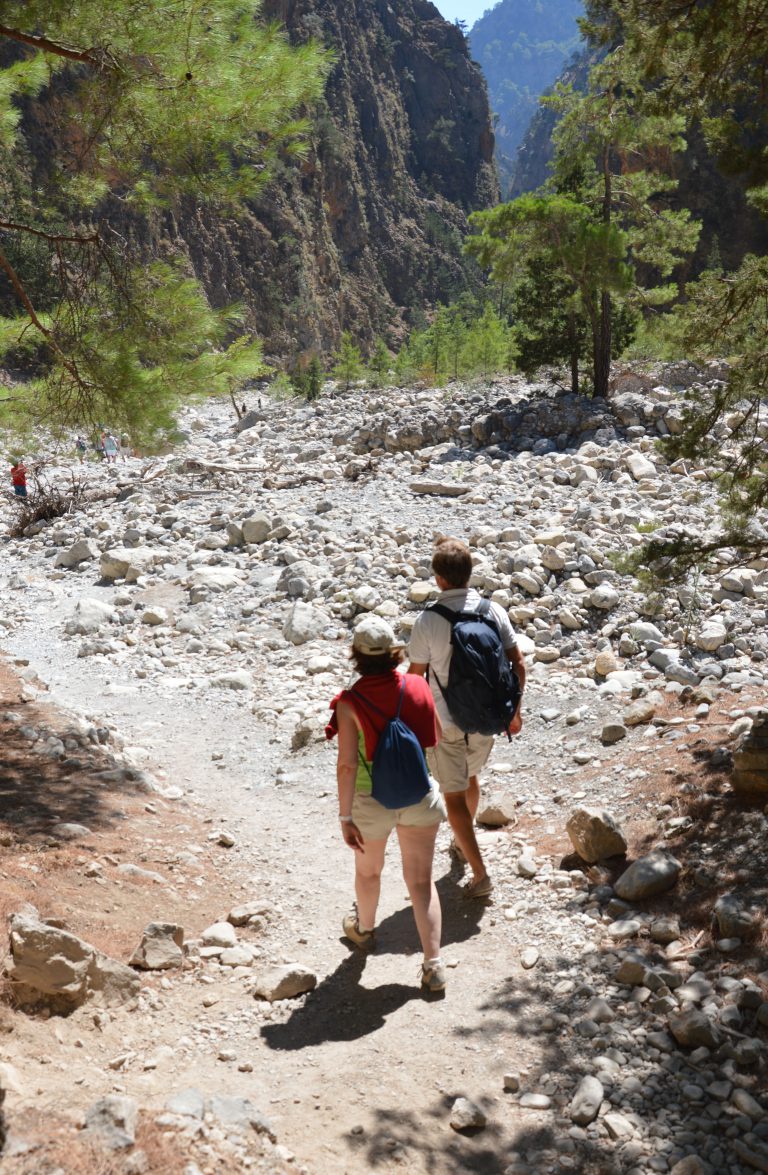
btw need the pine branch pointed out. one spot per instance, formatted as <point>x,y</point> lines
<point>86,56</point>
<point>54,238</point>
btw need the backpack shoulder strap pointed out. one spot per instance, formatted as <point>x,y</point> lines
<point>484,607</point>
<point>446,613</point>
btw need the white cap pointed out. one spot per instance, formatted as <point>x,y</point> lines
<point>373,637</point>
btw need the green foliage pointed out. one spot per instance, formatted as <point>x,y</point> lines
<point>466,339</point>
<point>146,105</point>
<point>138,350</point>
<point>583,255</point>
<point>307,380</point>
<point>705,65</point>
<point>379,364</point>
<point>348,362</point>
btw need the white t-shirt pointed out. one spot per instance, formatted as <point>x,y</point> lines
<point>431,639</point>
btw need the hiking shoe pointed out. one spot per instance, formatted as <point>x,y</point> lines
<point>365,939</point>
<point>478,889</point>
<point>433,978</point>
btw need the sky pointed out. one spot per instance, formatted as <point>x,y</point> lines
<point>468,10</point>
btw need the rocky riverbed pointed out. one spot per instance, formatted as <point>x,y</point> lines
<point>198,615</point>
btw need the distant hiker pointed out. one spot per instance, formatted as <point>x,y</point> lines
<point>100,444</point>
<point>81,448</point>
<point>111,448</point>
<point>462,752</point>
<point>18,477</point>
<point>377,756</point>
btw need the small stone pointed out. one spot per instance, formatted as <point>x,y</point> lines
<point>586,1101</point>
<point>529,958</point>
<point>284,982</point>
<point>465,1115</point>
<point>535,1101</point>
<point>612,732</point>
<point>512,1082</point>
<point>220,934</point>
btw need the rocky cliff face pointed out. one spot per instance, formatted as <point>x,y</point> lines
<point>370,224</point>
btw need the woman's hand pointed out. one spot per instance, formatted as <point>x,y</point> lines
<point>352,836</point>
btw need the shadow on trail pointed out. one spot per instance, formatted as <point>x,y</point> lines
<point>401,1134</point>
<point>38,792</point>
<point>396,935</point>
<point>339,1009</point>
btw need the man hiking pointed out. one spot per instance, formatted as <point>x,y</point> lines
<point>441,632</point>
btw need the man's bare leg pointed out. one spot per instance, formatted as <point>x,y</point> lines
<point>462,825</point>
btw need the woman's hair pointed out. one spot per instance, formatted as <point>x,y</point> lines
<point>367,666</point>
<point>452,561</point>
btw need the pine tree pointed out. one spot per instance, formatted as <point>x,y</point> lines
<point>604,215</point>
<point>379,364</point>
<point>144,106</point>
<point>348,362</point>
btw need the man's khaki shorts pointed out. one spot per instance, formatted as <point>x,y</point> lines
<point>457,756</point>
<point>376,822</point>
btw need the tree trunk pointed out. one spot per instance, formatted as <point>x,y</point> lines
<point>602,346</point>
<point>574,346</point>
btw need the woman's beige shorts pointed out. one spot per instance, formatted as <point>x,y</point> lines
<point>376,822</point>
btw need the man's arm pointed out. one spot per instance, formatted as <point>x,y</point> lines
<point>418,667</point>
<point>517,661</point>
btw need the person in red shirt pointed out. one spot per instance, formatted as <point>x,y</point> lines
<point>18,477</point>
<point>359,716</point>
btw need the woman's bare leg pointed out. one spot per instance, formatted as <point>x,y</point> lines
<point>417,846</point>
<point>368,867</point>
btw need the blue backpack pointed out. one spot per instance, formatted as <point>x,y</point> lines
<point>399,775</point>
<point>482,692</point>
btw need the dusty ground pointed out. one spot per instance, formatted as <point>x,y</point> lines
<point>362,1073</point>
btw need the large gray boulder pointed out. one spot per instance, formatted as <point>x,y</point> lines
<point>49,962</point>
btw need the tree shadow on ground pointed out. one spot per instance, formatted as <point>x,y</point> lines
<point>39,792</point>
<point>339,1009</point>
<point>401,1134</point>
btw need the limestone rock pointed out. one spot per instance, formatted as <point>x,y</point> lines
<point>711,637</point>
<point>639,712</point>
<point>648,876</point>
<point>465,1115</point>
<point>161,947</point>
<point>693,1029</point>
<point>586,1101</point>
<point>54,963</point>
<point>284,982</point>
<point>113,1120</point>
<point>83,551</point>
<point>750,761</point>
<point>90,616</point>
<point>498,812</point>
<point>612,732</point>
<point>220,934</point>
<point>304,623</point>
<point>595,834</point>
<point>256,528</point>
